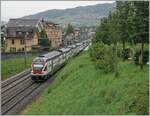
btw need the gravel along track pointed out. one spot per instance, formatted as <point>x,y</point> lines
<point>17,94</point>
<point>14,78</point>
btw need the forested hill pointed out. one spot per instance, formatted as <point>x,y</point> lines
<point>84,15</point>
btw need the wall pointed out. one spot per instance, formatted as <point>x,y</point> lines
<point>55,35</point>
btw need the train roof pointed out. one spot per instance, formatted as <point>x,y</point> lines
<point>78,44</point>
<point>64,49</point>
<point>51,54</point>
<point>71,46</point>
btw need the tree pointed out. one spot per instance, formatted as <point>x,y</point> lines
<point>44,41</point>
<point>43,34</point>
<point>114,34</point>
<point>70,29</point>
<point>139,22</point>
<point>122,9</point>
<point>102,32</point>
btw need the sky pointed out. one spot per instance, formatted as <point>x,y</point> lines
<point>16,9</point>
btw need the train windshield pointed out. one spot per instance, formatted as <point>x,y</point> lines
<point>38,61</point>
<point>37,67</point>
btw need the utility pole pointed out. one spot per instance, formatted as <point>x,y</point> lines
<point>25,50</point>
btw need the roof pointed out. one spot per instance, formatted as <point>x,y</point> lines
<point>51,54</point>
<point>17,28</point>
<point>71,46</point>
<point>51,24</point>
<point>77,29</point>
<point>64,49</point>
<point>19,32</point>
<point>78,44</point>
<point>22,22</point>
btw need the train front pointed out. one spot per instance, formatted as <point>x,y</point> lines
<point>38,69</point>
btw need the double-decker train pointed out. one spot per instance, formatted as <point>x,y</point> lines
<point>45,65</point>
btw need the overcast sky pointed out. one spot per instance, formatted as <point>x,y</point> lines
<point>16,9</point>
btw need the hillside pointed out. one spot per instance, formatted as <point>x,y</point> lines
<point>81,89</point>
<point>84,15</point>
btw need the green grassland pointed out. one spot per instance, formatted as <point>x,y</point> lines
<point>81,89</point>
<point>10,67</point>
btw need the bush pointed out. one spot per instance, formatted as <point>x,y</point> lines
<point>45,42</point>
<point>145,57</point>
<point>36,48</point>
<point>45,48</point>
<point>119,50</point>
<point>103,57</point>
<point>127,53</point>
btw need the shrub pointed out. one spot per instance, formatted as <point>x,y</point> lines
<point>36,48</point>
<point>45,42</point>
<point>127,53</point>
<point>45,48</point>
<point>103,57</point>
<point>119,50</point>
<point>145,57</point>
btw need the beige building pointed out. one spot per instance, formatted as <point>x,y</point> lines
<point>17,44</point>
<point>21,34</point>
<point>54,33</point>
<point>24,33</point>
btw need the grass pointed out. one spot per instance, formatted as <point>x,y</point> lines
<point>10,67</point>
<point>81,89</point>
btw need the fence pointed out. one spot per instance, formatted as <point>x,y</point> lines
<point>5,55</point>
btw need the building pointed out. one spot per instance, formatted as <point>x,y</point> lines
<point>54,33</point>
<point>69,39</point>
<point>77,32</point>
<point>21,34</point>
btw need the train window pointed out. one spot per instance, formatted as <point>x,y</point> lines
<point>38,61</point>
<point>38,67</point>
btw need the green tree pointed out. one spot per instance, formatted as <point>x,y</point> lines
<point>44,41</point>
<point>114,35</point>
<point>139,24</point>
<point>122,9</point>
<point>43,34</point>
<point>102,32</point>
<point>70,29</point>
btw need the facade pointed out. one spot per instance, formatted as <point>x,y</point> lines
<point>18,44</point>
<point>54,33</point>
<point>77,32</point>
<point>21,34</point>
<point>69,39</point>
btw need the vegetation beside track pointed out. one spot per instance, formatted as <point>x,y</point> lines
<point>10,67</point>
<point>82,89</point>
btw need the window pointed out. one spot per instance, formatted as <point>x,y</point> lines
<point>13,41</point>
<point>14,34</point>
<point>22,42</point>
<point>19,33</point>
<point>22,49</point>
<point>12,49</point>
<point>38,61</point>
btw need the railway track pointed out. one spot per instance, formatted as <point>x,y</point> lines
<point>19,91</point>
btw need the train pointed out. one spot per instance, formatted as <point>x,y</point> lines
<point>45,65</point>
